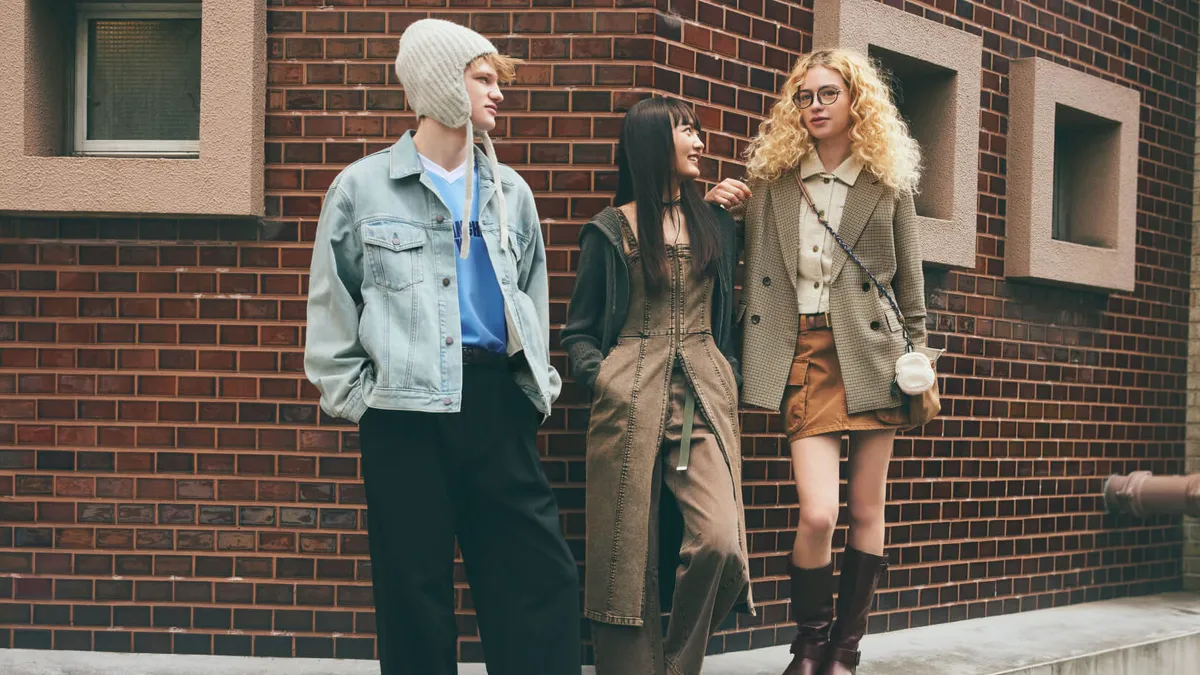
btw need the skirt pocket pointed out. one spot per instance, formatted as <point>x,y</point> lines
<point>795,396</point>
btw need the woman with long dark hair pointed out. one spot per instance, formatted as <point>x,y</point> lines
<point>649,333</point>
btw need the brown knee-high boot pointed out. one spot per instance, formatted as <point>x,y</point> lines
<point>812,608</point>
<point>856,589</point>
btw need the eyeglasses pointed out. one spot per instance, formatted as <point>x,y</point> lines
<point>826,95</point>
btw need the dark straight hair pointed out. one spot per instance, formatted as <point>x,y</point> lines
<point>645,172</point>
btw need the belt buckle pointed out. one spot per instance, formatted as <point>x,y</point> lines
<point>814,321</point>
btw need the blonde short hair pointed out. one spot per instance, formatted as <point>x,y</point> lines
<point>506,66</point>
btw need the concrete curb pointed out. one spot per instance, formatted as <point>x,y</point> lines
<point>1156,635</point>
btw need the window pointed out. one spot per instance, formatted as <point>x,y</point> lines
<point>137,79</point>
<point>138,160</point>
<point>1072,178</point>
<point>935,76</point>
<point>924,94</point>
<point>1085,161</point>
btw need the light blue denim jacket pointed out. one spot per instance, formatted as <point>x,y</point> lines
<point>383,323</point>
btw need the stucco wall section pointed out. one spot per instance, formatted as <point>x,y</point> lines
<point>1037,88</point>
<point>226,179</point>
<point>860,24</point>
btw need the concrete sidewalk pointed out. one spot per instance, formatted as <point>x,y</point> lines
<point>1157,635</point>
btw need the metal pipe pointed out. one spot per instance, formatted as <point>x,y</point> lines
<point>1142,494</point>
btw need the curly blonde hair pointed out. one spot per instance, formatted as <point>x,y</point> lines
<point>879,136</point>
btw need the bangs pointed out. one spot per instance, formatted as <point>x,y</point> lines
<point>505,66</point>
<point>682,114</point>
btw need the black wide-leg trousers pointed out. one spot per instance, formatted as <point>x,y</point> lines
<point>474,475</point>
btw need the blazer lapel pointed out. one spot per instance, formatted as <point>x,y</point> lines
<point>860,204</point>
<point>787,203</point>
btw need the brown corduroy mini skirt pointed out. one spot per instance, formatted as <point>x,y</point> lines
<point>814,401</point>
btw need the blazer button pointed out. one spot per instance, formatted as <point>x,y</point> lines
<point>866,287</point>
<point>874,325</point>
<point>755,318</point>
<point>766,281</point>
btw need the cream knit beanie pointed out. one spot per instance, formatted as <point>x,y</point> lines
<point>431,64</point>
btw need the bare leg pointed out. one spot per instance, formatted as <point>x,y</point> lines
<point>815,465</point>
<point>870,453</point>
<point>863,563</point>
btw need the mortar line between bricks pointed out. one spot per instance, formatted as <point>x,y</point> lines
<point>304,530</point>
<point>196,631</point>
<point>229,554</point>
<point>100,398</point>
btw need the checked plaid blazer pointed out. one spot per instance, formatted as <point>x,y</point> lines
<point>880,225</point>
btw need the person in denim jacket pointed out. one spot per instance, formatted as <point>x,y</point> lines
<point>428,325</point>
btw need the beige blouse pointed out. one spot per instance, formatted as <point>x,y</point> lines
<point>815,257</point>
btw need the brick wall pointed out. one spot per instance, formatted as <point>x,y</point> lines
<point>167,482</point>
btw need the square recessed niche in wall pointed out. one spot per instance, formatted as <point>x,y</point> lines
<point>132,107</point>
<point>936,72</point>
<point>1072,177</point>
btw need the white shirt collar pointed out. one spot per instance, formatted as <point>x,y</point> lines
<point>435,169</point>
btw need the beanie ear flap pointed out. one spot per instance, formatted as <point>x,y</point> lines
<point>494,165</point>
<point>464,249</point>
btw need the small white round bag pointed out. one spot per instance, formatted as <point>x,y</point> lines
<point>914,373</point>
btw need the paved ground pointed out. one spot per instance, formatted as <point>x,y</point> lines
<point>1130,633</point>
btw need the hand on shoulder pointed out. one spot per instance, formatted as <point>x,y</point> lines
<point>729,193</point>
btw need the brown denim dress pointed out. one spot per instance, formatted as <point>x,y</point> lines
<point>629,416</point>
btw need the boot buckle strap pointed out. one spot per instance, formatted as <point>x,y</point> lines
<point>849,657</point>
<point>810,650</point>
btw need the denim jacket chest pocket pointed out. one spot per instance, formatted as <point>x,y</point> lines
<point>395,251</point>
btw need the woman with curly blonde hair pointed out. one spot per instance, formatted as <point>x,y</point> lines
<point>833,171</point>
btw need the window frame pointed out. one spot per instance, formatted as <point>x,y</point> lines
<point>1047,97</point>
<point>947,217</point>
<point>84,14</point>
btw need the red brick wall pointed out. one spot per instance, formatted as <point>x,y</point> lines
<point>167,482</point>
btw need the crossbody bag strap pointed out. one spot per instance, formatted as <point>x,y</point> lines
<point>846,247</point>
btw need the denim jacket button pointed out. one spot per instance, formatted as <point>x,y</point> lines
<point>449,340</point>
<point>447,401</point>
<point>441,219</point>
<point>446,281</point>
<point>395,241</point>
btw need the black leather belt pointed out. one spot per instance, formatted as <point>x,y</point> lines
<point>478,356</point>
